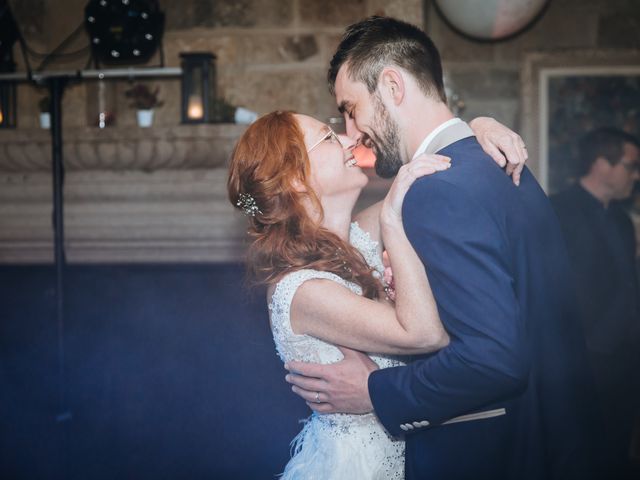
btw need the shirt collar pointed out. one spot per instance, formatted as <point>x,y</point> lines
<point>443,135</point>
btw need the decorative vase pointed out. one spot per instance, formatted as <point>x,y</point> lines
<point>145,118</point>
<point>45,120</point>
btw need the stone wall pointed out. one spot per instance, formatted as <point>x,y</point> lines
<point>156,195</point>
<point>272,54</point>
<point>133,202</point>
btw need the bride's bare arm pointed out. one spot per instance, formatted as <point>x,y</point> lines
<point>331,312</point>
<point>504,145</point>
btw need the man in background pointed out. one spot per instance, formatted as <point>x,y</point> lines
<point>602,247</point>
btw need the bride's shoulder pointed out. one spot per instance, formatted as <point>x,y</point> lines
<point>286,286</point>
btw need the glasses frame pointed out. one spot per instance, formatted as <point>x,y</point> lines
<point>330,133</point>
<point>631,167</point>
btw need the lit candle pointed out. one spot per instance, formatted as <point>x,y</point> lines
<point>1,117</point>
<point>195,110</point>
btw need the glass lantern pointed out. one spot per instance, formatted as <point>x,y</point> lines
<point>198,87</point>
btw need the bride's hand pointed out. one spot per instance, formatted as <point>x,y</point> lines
<point>420,166</point>
<point>505,146</point>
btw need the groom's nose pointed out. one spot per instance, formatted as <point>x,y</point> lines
<point>352,130</point>
<point>347,142</point>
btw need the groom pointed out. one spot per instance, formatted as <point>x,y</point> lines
<point>508,397</point>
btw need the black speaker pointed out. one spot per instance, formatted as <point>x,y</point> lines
<point>124,31</point>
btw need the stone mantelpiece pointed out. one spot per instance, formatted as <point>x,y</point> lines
<point>122,217</point>
<point>131,148</point>
<point>131,195</point>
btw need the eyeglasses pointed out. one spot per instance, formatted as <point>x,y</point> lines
<point>631,167</point>
<point>330,134</point>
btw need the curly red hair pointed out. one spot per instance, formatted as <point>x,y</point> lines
<point>267,163</point>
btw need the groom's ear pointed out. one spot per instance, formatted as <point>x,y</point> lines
<point>392,83</point>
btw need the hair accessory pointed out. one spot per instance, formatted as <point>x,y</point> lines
<point>340,256</point>
<point>248,205</point>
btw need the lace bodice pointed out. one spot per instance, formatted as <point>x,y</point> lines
<point>367,247</point>
<point>291,346</point>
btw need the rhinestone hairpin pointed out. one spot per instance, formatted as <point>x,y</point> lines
<point>248,205</point>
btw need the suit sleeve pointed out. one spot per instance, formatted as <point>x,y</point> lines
<point>469,267</point>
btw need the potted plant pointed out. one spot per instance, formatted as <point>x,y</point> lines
<point>145,101</point>
<point>44,105</point>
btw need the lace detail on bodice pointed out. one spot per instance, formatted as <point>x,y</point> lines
<point>367,247</point>
<point>291,346</point>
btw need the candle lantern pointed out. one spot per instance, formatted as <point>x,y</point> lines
<point>198,87</point>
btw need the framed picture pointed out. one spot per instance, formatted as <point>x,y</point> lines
<point>564,96</point>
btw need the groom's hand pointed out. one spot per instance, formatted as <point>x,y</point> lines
<point>340,387</point>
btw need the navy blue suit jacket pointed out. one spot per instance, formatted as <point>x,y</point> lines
<point>498,268</point>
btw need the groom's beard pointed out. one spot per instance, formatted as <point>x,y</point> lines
<point>386,142</point>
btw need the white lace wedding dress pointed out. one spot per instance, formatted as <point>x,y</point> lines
<point>334,446</point>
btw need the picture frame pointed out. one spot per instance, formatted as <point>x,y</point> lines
<point>566,94</point>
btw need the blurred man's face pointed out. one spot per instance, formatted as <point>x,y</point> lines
<point>625,173</point>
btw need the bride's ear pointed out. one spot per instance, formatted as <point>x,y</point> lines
<point>298,185</point>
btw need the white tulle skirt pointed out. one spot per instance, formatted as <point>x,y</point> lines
<point>336,447</point>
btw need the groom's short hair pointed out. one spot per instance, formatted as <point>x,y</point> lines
<point>371,44</point>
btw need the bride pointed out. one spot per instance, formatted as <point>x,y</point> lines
<point>298,182</point>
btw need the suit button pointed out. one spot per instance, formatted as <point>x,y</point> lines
<point>424,423</point>
<point>417,424</point>
<point>404,427</point>
<point>409,426</point>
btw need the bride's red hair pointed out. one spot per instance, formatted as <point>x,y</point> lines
<point>270,163</point>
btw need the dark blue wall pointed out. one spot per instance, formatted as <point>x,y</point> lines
<point>171,372</point>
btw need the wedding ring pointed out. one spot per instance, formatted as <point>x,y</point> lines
<point>317,397</point>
